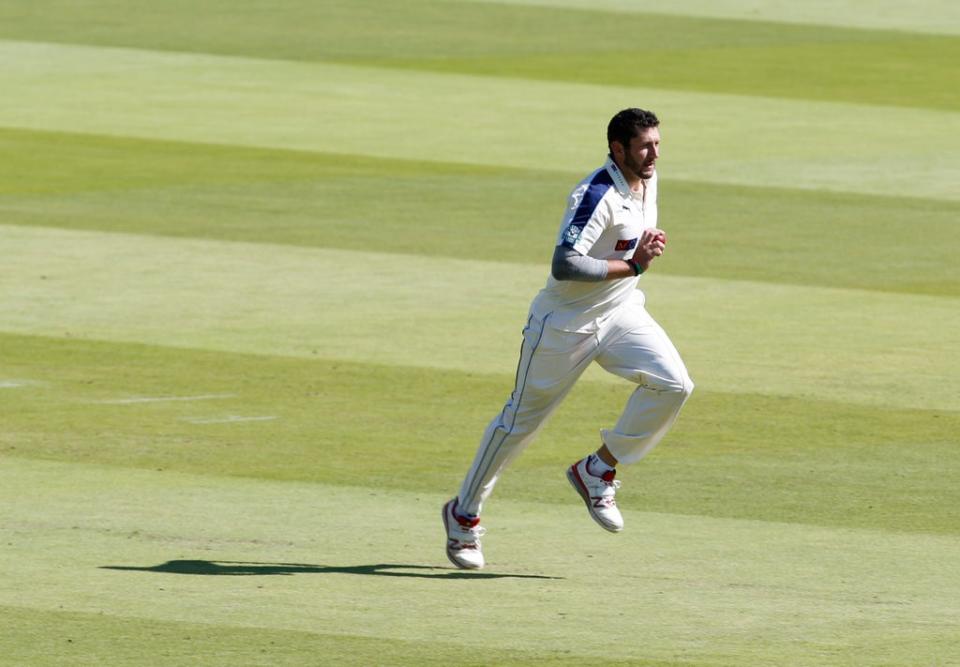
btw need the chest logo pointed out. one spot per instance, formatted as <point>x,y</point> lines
<point>626,244</point>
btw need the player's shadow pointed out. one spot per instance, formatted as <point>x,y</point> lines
<point>241,568</point>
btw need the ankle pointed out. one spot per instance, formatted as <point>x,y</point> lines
<point>597,466</point>
<point>463,517</point>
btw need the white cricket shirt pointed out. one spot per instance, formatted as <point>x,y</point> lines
<point>604,220</point>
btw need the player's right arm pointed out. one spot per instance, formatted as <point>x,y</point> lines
<point>651,245</point>
<point>570,264</point>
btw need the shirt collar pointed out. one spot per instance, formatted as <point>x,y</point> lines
<point>619,180</point>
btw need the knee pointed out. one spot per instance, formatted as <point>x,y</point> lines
<point>678,386</point>
<point>682,387</point>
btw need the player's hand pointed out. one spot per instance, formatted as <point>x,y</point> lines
<point>652,244</point>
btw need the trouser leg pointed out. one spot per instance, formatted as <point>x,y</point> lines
<point>640,351</point>
<point>550,363</point>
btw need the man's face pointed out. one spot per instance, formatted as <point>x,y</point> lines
<point>640,157</point>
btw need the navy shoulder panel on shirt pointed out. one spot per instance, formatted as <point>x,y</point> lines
<point>597,188</point>
<point>599,184</point>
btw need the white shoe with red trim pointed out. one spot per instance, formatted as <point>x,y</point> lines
<point>463,538</point>
<point>598,494</point>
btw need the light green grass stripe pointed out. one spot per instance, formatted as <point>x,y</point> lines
<point>678,587</point>
<point>737,336</point>
<point>736,456</point>
<point>474,120</point>
<point>928,16</point>
<point>678,52</point>
<point>167,188</point>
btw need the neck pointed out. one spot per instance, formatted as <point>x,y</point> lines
<point>633,179</point>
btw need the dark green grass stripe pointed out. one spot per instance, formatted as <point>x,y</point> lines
<point>408,428</point>
<point>41,638</point>
<point>440,209</point>
<point>855,71</point>
<point>632,49</point>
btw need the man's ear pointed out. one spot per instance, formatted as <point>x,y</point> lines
<point>617,150</point>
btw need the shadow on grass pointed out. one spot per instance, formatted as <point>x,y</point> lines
<point>241,568</point>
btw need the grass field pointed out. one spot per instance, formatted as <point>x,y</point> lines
<point>264,270</point>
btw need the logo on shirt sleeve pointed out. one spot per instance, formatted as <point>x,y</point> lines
<point>627,244</point>
<point>572,234</point>
<point>577,196</point>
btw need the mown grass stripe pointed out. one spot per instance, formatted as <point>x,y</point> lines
<point>467,212</point>
<point>731,455</point>
<point>932,16</point>
<point>336,109</point>
<point>57,637</point>
<point>677,51</point>
<point>363,306</point>
<point>861,597</point>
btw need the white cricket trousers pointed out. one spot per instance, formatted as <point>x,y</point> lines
<point>630,344</point>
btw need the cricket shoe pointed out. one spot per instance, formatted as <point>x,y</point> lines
<point>598,494</point>
<point>463,538</point>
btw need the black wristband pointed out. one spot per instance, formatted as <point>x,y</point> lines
<point>637,269</point>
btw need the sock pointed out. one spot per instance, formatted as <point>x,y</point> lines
<point>597,466</point>
<point>457,512</point>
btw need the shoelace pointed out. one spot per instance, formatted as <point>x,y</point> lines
<point>608,487</point>
<point>606,501</point>
<point>473,536</point>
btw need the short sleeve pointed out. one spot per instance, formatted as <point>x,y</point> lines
<point>587,216</point>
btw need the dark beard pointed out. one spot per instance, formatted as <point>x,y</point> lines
<point>636,167</point>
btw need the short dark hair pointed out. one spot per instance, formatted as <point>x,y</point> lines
<point>628,123</point>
